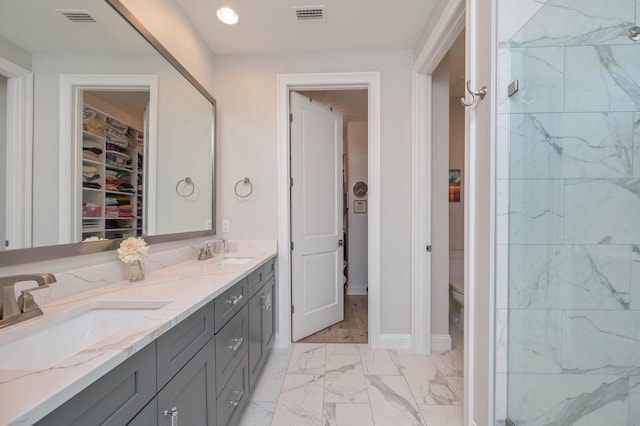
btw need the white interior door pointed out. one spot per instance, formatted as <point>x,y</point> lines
<point>316,217</point>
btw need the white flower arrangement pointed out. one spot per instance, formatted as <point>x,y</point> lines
<point>133,249</point>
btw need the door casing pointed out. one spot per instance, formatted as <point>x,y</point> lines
<point>328,81</point>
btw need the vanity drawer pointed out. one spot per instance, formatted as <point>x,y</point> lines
<point>230,302</point>
<point>255,280</point>
<point>234,395</point>
<point>113,399</point>
<point>231,345</point>
<point>269,269</point>
<point>182,342</point>
<point>261,276</point>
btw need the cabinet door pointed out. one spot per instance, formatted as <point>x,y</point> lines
<point>179,344</point>
<point>268,315</point>
<point>190,396</point>
<point>255,337</point>
<point>148,416</point>
<point>113,399</point>
<point>261,321</point>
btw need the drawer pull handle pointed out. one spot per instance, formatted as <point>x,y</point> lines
<point>174,415</point>
<point>239,394</point>
<point>237,345</point>
<point>234,300</point>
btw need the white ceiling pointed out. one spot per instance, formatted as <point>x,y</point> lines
<point>270,26</point>
<point>353,104</point>
<point>131,102</point>
<point>38,26</point>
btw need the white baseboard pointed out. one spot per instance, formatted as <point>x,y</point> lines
<point>440,342</point>
<point>357,291</point>
<point>281,341</point>
<point>395,341</point>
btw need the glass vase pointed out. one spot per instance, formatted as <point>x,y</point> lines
<point>136,271</point>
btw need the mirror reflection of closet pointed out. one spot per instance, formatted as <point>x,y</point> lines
<point>113,163</point>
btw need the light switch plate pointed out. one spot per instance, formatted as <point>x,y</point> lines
<point>226,226</point>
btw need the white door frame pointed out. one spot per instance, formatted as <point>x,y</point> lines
<point>70,146</point>
<point>448,28</point>
<point>19,160</point>
<point>454,18</point>
<point>328,81</point>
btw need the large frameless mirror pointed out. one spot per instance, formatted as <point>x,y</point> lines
<point>105,135</point>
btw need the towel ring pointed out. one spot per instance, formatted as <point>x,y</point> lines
<point>187,181</point>
<point>245,181</point>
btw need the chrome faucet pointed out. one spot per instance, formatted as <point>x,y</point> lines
<point>205,252</point>
<point>14,310</point>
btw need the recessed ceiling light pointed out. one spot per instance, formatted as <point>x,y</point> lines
<point>227,15</point>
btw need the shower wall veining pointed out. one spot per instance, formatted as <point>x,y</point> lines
<point>568,301</point>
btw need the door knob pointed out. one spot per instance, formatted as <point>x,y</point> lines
<point>340,243</point>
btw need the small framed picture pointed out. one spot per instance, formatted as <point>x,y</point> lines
<point>454,185</point>
<point>359,206</point>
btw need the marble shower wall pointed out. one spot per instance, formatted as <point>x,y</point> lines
<point>568,302</point>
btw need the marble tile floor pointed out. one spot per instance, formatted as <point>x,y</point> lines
<point>352,384</point>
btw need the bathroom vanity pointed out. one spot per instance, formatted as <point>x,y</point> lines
<point>192,357</point>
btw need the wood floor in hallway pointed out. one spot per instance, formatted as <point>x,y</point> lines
<point>353,329</point>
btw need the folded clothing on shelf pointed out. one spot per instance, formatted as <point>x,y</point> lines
<point>92,124</point>
<point>90,177</point>
<point>91,210</point>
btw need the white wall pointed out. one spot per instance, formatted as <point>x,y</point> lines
<point>15,54</point>
<point>456,161</point>
<point>245,88</point>
<point>357,238</point>
<point>3,158</point>
<point>440,201</point>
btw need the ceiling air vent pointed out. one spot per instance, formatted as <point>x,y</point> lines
<point>309,13</point>
<point>77,16</point>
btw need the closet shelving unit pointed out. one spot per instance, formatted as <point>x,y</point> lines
<point>112,177</point>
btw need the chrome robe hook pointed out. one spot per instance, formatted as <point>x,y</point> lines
<point>479,93</point>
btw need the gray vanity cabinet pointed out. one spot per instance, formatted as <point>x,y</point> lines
<point>113,399</point>
<point>261,320</point>
<point>234,395</point>
<point>148,416</point>
<point>182,342</point>
<point>197,373</point>
<point>230,302</point>
<point>190,395</point>
<point>188,398</point>
<point>231,346</point>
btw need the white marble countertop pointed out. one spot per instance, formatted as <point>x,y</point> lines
<point>26,396</point>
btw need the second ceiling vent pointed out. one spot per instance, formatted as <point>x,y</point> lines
<point>77,16</point>
<point>309,13</point>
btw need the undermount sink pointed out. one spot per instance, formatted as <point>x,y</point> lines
<point>48,340</point>
<point>235,260</point>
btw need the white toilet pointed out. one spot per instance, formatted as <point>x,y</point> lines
<point>456,288</point>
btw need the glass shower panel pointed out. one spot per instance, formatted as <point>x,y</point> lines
<point>568,303</point>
